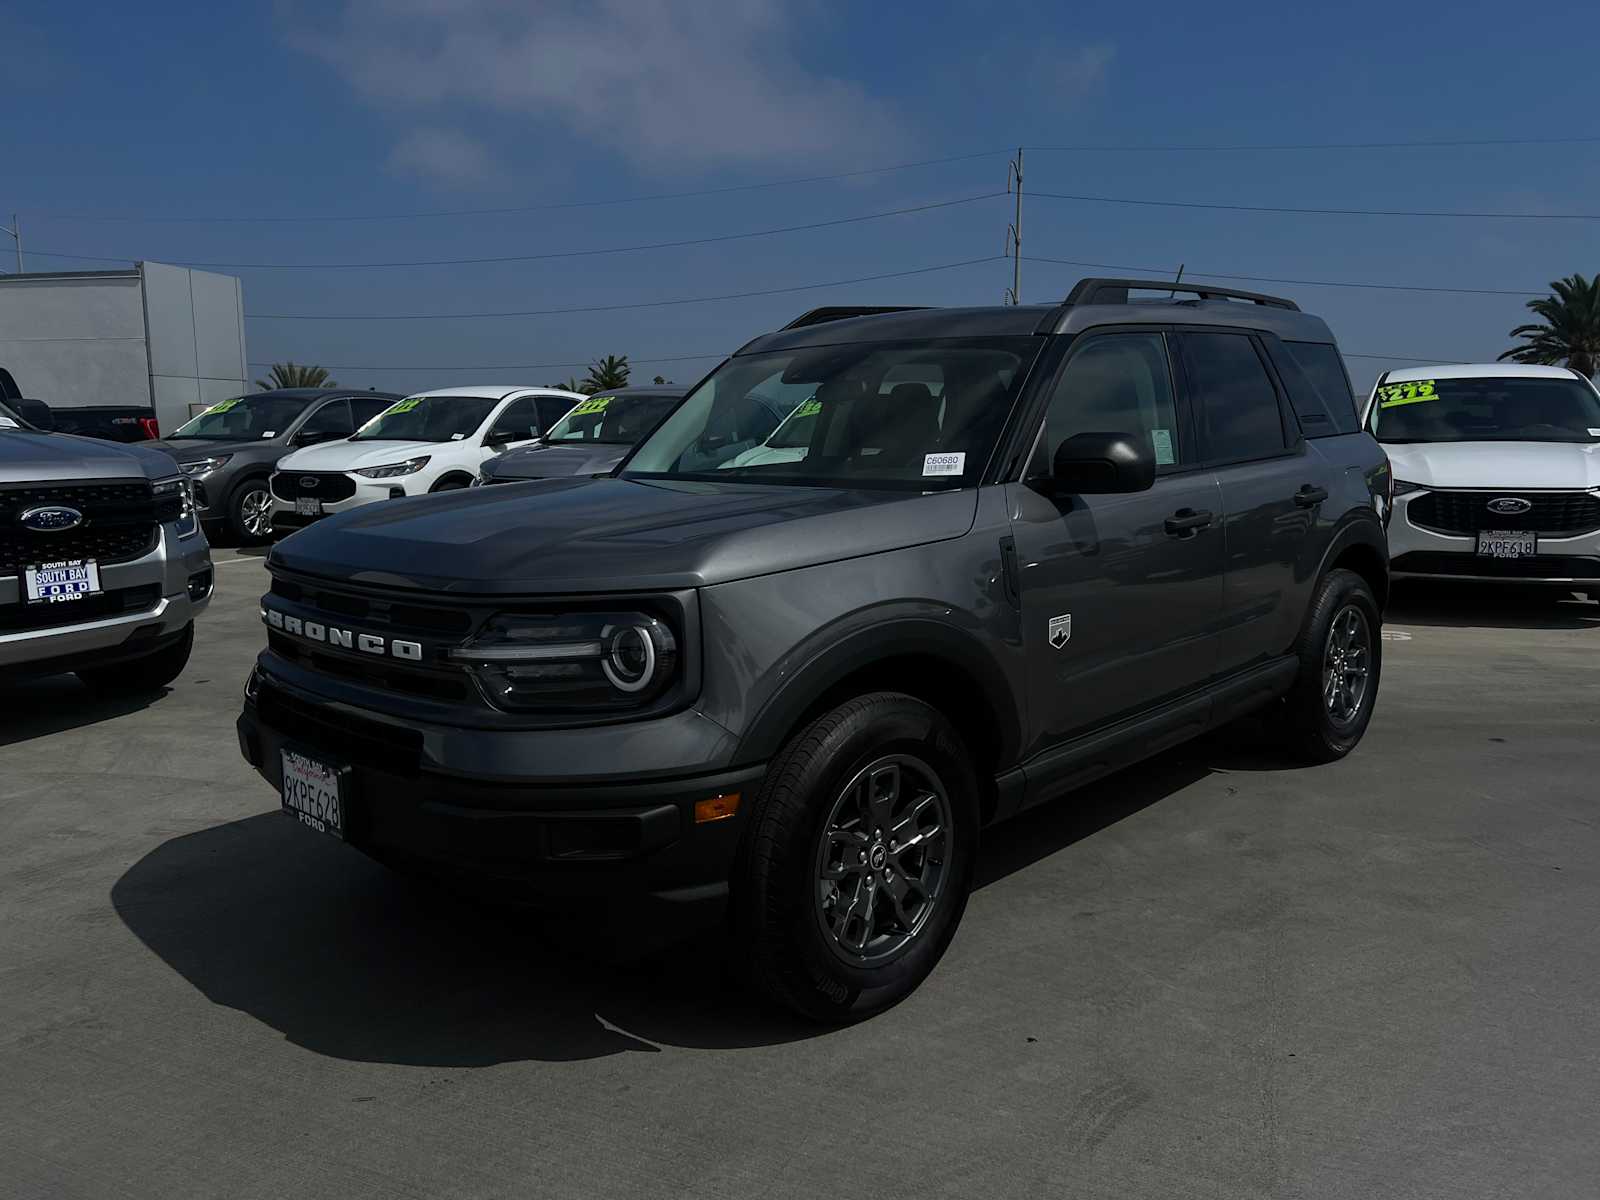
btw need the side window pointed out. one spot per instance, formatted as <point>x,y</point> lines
<point>551,409</point>
<point>1116,383</point>
<point>517,423</point>
<point>1239,414</point>
<point>1324,369</point>
<point>332,420</point>
<point>366,409</point>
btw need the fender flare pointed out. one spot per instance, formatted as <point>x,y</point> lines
<point>1359,527</point>
<point>450,476</point>
<point>862,648</point>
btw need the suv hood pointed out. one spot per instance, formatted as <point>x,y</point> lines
<point>192,449</point>
<point>46,457</point>
<point>607,535</point>
<point>1573,466</point>
<point>345,455</point>
<point>552,462</point>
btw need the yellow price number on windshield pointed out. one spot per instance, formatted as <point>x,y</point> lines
<point>225,406</point>
<point>809,409</point>
<point>594,404</point>
<point>1412,391</point>
<point>405,405</point>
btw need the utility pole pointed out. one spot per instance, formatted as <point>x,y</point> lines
<point>16,233</point>
<point>1014,234</point>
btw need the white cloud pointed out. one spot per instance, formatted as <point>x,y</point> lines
<point>442,155</point>
<point>707,83</point>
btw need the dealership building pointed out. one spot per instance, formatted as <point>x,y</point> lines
<point>168,337</point>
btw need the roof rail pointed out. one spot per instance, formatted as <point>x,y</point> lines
<point>820,316</point>
<point>1115,291</point>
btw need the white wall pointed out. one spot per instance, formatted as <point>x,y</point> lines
<point>75,339</point>
<point>196,326</point>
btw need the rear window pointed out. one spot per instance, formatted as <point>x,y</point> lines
<point>1319,389</point>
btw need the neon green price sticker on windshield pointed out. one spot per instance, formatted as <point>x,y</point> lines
<point>809,409</point>
<point>594,404</point>
<point>1413,391</point>
<point>406,405</point>
<point>225,406</point>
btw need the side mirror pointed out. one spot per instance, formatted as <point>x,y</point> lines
<point>499,438</point>
<point>35,412</point>
<point>315,437</point>
<point>1103,464</point>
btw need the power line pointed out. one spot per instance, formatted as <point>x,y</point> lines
<point>1333,212</point>
<point>526,208</point>
<point>1442,362</point>
<point>590,308</point>
<point>555,254</point>
<point>1386,287</point>
<point>1245,147</point>
<point>549,366</point>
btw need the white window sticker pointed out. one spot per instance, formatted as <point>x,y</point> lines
<point>271,433</point>
<point>1594,433</point>
<point>456,437</point>
<point>944,464</point>
<point>1163,446</point>
<point>8,423</point>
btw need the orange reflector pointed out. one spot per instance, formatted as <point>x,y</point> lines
<point>718,808</point>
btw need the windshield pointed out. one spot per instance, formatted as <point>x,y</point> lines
<point>622,419</point>
<point>913,416</point>
<point>1487,410</point>
<point>428,419</point>
<point>242,418</point>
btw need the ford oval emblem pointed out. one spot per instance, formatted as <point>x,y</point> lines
<point>308,481</point>
<point>50,518</point>
<point>1510,506</point>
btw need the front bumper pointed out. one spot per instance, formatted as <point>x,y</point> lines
<point>368,491</point>
<point>168,588</point>
<point>556,837</point>
<point>1416,552</point>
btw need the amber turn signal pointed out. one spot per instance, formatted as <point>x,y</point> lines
<point>718,808</point>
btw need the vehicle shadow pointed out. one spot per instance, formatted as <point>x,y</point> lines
<point>62,702</point>
<point>1486,606</point>
<point>352,961</point>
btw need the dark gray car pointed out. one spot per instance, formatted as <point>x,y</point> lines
<point>1018,548</point>
<point>590,439</point>
<point>229,450</point>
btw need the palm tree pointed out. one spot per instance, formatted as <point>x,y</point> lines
<point>1570,333</point>
<point>576,385</point>
<point>607,373</point>
<point>294,375</point>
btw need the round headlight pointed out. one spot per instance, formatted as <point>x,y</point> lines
<point>630,662</point>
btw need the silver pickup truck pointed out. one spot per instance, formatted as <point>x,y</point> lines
<point>103,567</point>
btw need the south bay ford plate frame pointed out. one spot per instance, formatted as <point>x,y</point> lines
<point>315,792</point>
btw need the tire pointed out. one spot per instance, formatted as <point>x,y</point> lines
<point>794,929</point>
<point>250,512</point>
<point>148,674</point>
<point>450,483</point>
<point>1319,726</point>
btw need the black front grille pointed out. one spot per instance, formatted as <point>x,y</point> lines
<point>1467,513</point>
<point>1537,566</point>
<point>15,618</point>
<point>376,612</point>
<point>121,521</point>
<point>385,673</point>
<point>313,485</point>
<point>344,737</point>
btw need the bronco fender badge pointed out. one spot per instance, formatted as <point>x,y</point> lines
<point>1060,630</point>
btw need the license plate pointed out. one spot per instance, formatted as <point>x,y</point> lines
<point>61,582</point>
<point>308,506</point>
<point>313,792</point>
<point>1507,544</point>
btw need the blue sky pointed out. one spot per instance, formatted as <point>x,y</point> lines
<point>357,107</point>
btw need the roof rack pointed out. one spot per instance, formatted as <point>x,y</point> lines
<point>820,316</point>
<point>1115,291</point>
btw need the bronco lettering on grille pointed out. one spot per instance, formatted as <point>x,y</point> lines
<point>348,639</point>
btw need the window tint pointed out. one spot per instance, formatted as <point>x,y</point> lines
<point>1328,406</point>
<point>1239,414</point>
<point>333,417</point>
<point>366,409</point>
<point>551,409</point>
<point>1117,383</point>
<point>518,422</point>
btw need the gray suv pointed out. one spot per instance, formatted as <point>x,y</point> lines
<point>1020,548</point>
<point>103,567</point>
<point>229,450</point>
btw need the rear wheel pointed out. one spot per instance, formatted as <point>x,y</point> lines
<point>1341,661</point>
<point>856,865</point>
<point>147,674</point>
<point>250,512</point>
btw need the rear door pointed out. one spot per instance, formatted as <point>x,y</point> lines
<point>1271,491</point>
<point>1120,594</point>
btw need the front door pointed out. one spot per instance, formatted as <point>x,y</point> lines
<point>1121,594</point>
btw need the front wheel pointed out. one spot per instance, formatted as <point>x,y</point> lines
<point>1341,660</point>
<point>250,512</point>
<point>856,865</point>
<point>148,674</point>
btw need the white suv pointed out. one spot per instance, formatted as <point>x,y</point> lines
<point>1496,473</point>
<point>430,442</point>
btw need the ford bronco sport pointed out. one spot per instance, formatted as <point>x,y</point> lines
<point>1024,547</point>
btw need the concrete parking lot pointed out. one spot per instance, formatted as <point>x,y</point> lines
<point>1210,976</point>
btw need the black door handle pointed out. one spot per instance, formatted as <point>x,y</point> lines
<point>1186,522</point>
<point>1310,497</point>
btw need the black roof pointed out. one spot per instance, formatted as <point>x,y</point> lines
<point>321,393</point>
<point>1092,302</point>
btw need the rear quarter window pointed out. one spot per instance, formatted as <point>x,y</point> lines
<point>1318,387</point>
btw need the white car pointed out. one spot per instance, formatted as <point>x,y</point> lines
<point>1496,473</point>
<point>430,442</point>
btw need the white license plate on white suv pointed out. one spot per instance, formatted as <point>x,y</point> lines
<point>312,792</point>
<point>1507,544</point>
<point>59,582</point>
<point>306,506</point>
